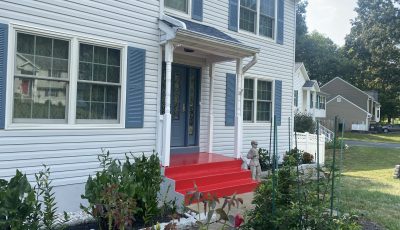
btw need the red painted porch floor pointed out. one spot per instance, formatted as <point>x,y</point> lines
<point>212,173</point>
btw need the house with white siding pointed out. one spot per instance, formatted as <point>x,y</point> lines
<point>307,96</point>
<point>181,77</point>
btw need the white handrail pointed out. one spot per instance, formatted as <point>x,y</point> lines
<point>326,132</point>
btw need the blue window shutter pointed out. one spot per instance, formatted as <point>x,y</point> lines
<point>281,13</point>
<point>233,15</point>
<point>197,10</point>
<point>3,72</point>
<point>230,99</point>
<point>135,88</point>
<point>278,102</point>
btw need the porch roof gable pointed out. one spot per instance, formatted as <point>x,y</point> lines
<point>205,39</point>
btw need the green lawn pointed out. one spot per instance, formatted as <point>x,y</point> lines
<point>381,137</point>
<point>367,186</point>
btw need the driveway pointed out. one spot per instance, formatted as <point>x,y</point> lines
<point>373,144</point>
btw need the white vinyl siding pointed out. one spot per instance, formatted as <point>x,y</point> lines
<point>71,153</point>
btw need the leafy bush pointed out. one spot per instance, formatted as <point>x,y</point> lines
<point>339,143</point>
<point>307,158</point>
<point>265,159</point>
<point>304,122</point>
<point>122,193</point>
<point>21,205</point>
<point>286,202</point>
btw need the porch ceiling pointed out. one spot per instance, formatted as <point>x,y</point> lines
<point>205,41</point>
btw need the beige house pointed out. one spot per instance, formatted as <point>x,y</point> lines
<point>357,108</point>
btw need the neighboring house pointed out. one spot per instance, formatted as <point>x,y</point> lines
<point>358,109</point>
<point>307,96</point>
<point>175,76</point>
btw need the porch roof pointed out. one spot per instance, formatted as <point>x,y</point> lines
<point>204,39</point>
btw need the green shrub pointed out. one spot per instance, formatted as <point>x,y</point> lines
<point>304,122</point>
<point>307,158</point>
<point>23,207</point>
<point>285,202</point>
<point>339,143</point>
<point>265,159</point>
<point>122,193</point>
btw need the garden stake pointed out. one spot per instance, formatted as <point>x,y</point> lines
<point>318,165</point>
<point>333,164</point>
<point>273,170</point>
<point>290,146</point>
<point>298,179</point>
<point>340,165</point>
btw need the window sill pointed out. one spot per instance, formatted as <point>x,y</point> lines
<point>62,126</point>
<point>175,13</point>
<point>256,124</point>
<point>257,36</point>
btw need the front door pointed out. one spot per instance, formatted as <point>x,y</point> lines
<point>185,97</point>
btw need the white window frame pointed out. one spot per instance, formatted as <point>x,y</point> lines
<point>179,13</point>
<point>254,115</point>
<point>74,41</point>
<point>257,33</point>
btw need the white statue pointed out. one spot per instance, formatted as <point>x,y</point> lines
<point>255,166</point>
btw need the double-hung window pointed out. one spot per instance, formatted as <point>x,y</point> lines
<point>181,6</point>
<point>257,104</point>
<point>45,79</point>
<point>258,17</point>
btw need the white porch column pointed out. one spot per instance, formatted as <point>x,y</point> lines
<point>169,54</point>
<point>308,101</point>
<point>238,116</point>
<point>211,70</point>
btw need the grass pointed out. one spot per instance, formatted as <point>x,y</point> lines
<point>381,137</point>
<point>367,187</point>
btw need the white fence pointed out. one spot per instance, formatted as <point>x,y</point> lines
<point>308,143</point>
<point>359,127</point>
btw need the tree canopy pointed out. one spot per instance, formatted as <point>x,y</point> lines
<point>370,58</point>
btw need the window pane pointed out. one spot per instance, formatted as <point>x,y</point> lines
<point>248,19</point>
<point>39,99</point>
<point>85,71</point>
<point>266,26</point>
<point>114,57</point>
<point>60,68</point>
<point>100,55</point>
<point>60,49</point>
<point>112,94</point>
<point>25,43</point>
<point>43,46</point>
<point>44,66</point>
<point>85,53</point>
<point>181,5</point>
<point>111,111</point>
<point>263,111</point>
<point>267,8</point>
<point>83,93</point>
<point>113,74</point>
<point>264,90</point>
<point>82,110</point>
<point>99,72</point>
<point>97,93</point>
<point>251,4</point>
<point>248,88</point>
<point>248,110</point>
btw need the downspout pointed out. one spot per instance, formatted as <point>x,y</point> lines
<point>250,64</point>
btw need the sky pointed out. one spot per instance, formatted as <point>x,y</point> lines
<point>331,18</point>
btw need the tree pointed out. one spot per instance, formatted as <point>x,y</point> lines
<point>373,46</point>
<point>323,59</point>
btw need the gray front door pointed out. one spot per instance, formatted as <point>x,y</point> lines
<point>185,98</point>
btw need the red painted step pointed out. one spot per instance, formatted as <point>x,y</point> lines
<point>212,173</point>
<point>222,189</point>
